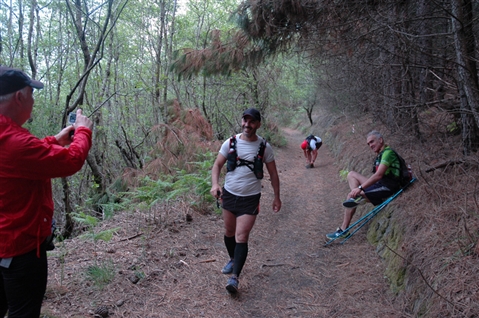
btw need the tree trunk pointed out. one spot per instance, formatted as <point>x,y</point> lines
<point>425,47</point>
<point>464,42</point>
<point>90,61</point>
<point>32,46</point>
<point>168,49</point>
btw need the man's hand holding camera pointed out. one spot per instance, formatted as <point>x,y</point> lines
<point>65,136</point>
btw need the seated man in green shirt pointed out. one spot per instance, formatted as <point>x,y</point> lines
<point>381,185</point>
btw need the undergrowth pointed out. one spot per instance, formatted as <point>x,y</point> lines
<point>101,273</point>
<point>437,220</point>
<point>190,187</point>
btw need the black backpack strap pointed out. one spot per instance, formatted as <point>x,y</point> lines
<point>377,161</point>
<point>233,142</point>
<point>261,149</point>
<point>232,158</point>
<point>238,161</point>
<point>255,166</point>
<point>258,160</point>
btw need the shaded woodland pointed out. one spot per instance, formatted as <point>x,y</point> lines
<point>163,81</point>
<point>395,59</point>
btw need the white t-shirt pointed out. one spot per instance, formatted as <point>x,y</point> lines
<point>312,143</point>
<point>242,181</point>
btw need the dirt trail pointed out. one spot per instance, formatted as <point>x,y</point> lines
<point>312,280</point>
<point>288,273</point>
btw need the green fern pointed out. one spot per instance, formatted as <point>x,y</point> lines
<point>85,219</point>
<point>91,222</point>
<point>190,187</point>
<point>105,235</point>
<point>152,191</point>
<point>343,174</point>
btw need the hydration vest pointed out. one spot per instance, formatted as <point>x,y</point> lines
<point>255,166</point>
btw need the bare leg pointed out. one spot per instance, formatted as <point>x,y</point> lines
<point>240,227</point>
<point>354,180</point>
<point>244,224</point>
<point>348,215</point>
<point>314,155</point>
<point>306,155</point>
<point>229,223</point>
<point>309,157</point>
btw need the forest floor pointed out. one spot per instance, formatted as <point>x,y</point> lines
<point>166,264</point>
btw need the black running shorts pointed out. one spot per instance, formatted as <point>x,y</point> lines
<point>378,192</point>
<point>240,205</point>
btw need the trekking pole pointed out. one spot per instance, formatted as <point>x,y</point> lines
<point>368,216</point>
<point>364,219</point>
<point>376,210</point>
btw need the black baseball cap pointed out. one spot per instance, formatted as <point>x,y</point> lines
<point>253,113</point>
<point>12,80</point>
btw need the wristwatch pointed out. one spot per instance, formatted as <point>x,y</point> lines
<point>360,188</point>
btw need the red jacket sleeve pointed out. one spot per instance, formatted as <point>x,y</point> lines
<point>38,159</point>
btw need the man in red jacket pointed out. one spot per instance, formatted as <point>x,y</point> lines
<point>27,165</point>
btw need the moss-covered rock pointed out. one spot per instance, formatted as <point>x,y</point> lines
<point>386,235</point>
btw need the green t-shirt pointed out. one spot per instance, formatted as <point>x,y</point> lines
<point>388,158</point>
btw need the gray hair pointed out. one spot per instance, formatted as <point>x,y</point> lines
<point>8,97</point>
<point>375,133</point>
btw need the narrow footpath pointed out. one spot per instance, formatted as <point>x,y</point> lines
<point>166,265</point>
<point>289,271</point>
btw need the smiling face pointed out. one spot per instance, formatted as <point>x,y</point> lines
<point>249,126</point>
<point>375,143</point>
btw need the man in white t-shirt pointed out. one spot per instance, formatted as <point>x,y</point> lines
<point>241,193</point>
<point>310,148</point>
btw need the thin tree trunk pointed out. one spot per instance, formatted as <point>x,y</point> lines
<point>168,49</point>
<point>464,42</point>
<point>90,61</point>
<point>30,45</point>
<point>158,65</point>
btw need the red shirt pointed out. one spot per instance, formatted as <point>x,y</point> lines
<point>27,165</point>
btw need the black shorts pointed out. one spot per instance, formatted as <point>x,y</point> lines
<point>240,205</point>
<point>378,192</point>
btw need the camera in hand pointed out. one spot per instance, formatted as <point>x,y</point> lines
<point>72,117</point>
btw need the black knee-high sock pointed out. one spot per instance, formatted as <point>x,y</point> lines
<point>241,251</point>
<point>230,243</point>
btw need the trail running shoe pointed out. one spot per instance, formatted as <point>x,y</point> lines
<point>228,269</point>
<point>232,285</point>
<point>338,234</point>
<point>354,202</point>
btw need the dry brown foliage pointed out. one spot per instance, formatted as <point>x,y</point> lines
<point>219,58</point>
<point>180,141</point>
